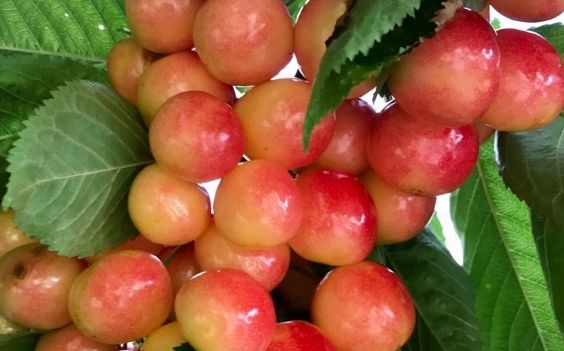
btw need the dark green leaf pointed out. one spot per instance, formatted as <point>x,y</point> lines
<point>553,33</point>
<point>18,342</point>
<point>436,227</point>
<point>373,36</point>
<point>72,167</point>
<point>532,165</point>
<point>550,244</point>
<point>443,294</point>
<point>184,347</point>
<point>476,5</point>
<point>72,28</point>
<point>294,7</point>
<point>513,303</point>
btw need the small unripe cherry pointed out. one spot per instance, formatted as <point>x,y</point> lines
<point>266,265</point>
<point>347,150</point>
<point>401,216</point>
<point>197,137</point>
<point>418,157</point>
<point>529,10</point>
<point>244,42</point>
<point>531,93</point>
<point>447,80</point>
<point>258,204</point>
<point>225,310</point>
<point>70,338</point>
<point>299,335</point>
<point>166,209</point>
<point>364,307</point>
<point>174,74</point>
<point>273,115</point>
<point>163,26</point>
<point>123,297</point>
<point>166,338</point>
<point>10,236</point>
<point>339,222</point>
<point>35,284</point>
<point>126,63</point>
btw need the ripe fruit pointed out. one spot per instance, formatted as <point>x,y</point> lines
<point>447,80</point>
<point>529,10</point>
<point>266,265</point>
<point>138,243</point>
<point>162,26</point>
<point>401,216</point>
<point>299,335</point>
<point>69,338</point>
<point>182,266</point>
<point>166,209</point>
<point>225,310</point>
<point>244,42</point>
<point>347,150</point>
<point>418,157</point>
<point>126,63</point>
<point>258,204</point>
<point>123,297</point>
<point>315,25</point>
<point>166,338</point>
<point>273,114</point>
<point>197,137</point>
<point>174,74</point>
<point>10,236</point>
<point>363,307</point>
<point>531,93</point>
<point>35,285</point>
<point>339,223</point>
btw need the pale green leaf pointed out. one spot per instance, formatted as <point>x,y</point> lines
<point>72,167</point>
<point>513,303</point>
<point>73,28</point>
<point>436,227</point>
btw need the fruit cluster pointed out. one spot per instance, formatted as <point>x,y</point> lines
<point>367,178</point>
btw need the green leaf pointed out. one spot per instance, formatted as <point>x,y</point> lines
<point>373,36</point>
<point>476,5</point>
<point>77,28</point>
<point>184,347</point>
<point>550,244</point>
<point>532,165</point>
<point>513,303</point>
<point>554,33</point>
<point>294,7</point>
<point>19,342</point>
<point>436,227</point>
<point>443,294</point>
<point>72,167</point>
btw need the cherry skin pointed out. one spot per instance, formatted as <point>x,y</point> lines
<point>7,327</point>
<point>138,243</point>
<point>364,307</point>
<point>266,265</point>
<point>315,25</point>
<point>225,310</point>
<point>126,63</point>
<point>347,150</point>
<point>10,236</point>
<point>197,137</point>
<point>163,26</point>
<point>35,284</point>
<point>418,157</point>
<point>258,204</point>
<point>401,216</point>
<point>181,264</point>
<point>123,297</point>
<point>447,80</point>
<point>529,10</point>
<point>166,338</point>
<point>339,223</point>
<point>174,74</point>
<point>531,94</point>
<point>69,338</point>
<point>244,42</point>
<point>299,335</point>
<point>273,115</point>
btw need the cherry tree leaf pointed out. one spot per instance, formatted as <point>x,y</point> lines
<point>71,169</point>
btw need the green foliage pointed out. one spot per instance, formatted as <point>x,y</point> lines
<point>294,7</point>
<point>184,347</point>
<point>513,303</point>
<point>436,227</point>
<point>19,342</point>
<point>476,5</point>
<point>85,28</point>
<point>443,294</point>
<point>530,164</point>
<point>72,167</point>
<point>374,35</point>
<point>553,33</point>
